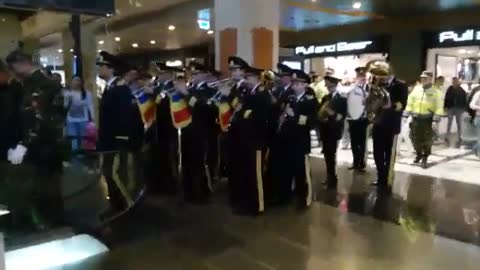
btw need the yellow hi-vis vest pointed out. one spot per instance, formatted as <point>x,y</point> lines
<point>425,103</point>
<point>320,89</point>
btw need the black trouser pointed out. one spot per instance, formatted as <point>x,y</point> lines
<point>358,137</point>
<point>164,165</point>
<point>298,169</point>
<point>234,164</point>
<point>252,197</point>
<point>330,144</point>
<point>383,152</point>
<point>213,153</point>
<point>275,180</point>
<point>195,175</point>
<point>116,198</point>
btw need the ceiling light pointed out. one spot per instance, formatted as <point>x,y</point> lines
<point>4,20</point>
<point>357,5</point>
<point>99,51</point>
<point>135,45</point>
<point>101,42</point>
<point>314,1</point>
<point>71,50</point>
<point>210,32</point>
<point>60,50</point>
<point>109,14</point>
<point>117,39</point>
<point>171,27</point>
<point>153,42</point>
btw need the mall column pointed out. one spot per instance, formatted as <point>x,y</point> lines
<point>248,29</point>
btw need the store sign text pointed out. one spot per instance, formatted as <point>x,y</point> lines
<point>468,35</point>
<point>332,48</point>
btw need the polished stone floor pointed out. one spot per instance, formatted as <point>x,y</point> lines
<point>428,223</point>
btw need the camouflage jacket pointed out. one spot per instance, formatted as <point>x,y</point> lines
<point>43,109</point>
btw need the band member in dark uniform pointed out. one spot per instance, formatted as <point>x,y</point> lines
<point>388,126</point>
<point>164,165</point>
<point>254,114</point>
<point>195,137</point>
<point>234,140</point>
<point>333,110</point>
<point>296,121</point>
<point>357,119</point>
<point>120,126</point>
<point>213,154</point>
<point>276,157</point>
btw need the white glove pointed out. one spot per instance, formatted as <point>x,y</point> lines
<point>15,156</point>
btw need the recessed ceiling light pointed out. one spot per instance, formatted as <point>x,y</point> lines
<point>153,42</point>
<point>135,45</point>
<point>109,14</point>
<point>171,27</point>
<point>4,20</point>
<point>117,39</point>
<point>314,1</point>
<point>99,51</point>
<point>101,42</point>
<point>60,50</point>
<point>71,50</point>
<point>357,5</point>
<point>210,32</point>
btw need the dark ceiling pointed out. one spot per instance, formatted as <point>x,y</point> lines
<point>22,14</point>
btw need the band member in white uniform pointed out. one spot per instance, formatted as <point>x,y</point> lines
<point>357,119</point>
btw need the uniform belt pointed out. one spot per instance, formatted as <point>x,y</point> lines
<point>422,116</point>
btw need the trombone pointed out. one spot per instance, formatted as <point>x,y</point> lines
<point>219,83</point>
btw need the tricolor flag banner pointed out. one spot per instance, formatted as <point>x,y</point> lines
<point>225,113</point>
<point>181,115</point>
<point>147,107</point>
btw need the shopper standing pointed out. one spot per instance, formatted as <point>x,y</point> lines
<point>80,107</point>
<point>475,106</point>
<point>455,105</point>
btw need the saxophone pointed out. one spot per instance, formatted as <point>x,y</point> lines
<point>323,112</point>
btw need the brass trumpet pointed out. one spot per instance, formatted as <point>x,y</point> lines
<point>220,83</point>
<point>323,113</point>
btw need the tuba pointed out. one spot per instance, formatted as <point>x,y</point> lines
<point>323,112</point>
<point>378,97</point>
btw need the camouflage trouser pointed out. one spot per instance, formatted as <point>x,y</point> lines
<point>421,134</point>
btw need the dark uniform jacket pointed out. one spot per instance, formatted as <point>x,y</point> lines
<point>333,127</point>
<point>120,120</point>
<point>255,114</point>
<point>203,113</point>
<point>164,124</point>
<point>391,119</point>
<point>43,121</point>
<point>11,128</point>
<point>297,128</point>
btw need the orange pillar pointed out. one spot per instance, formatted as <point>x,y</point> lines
<point>248,29</point>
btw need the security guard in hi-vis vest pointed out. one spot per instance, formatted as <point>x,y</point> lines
<point>253,116</point>
<point>197,182</point>
<point>425,106</point>
<point>297,119</point>
<point>43,146</point>
<point>164,164</point>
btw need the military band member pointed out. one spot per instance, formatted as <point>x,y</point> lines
<point>164,164</point>
<point>358,124</point>
<point>299,117</point>
<point>387,128</point>
<point>42,144</point>
<point>425,105</point>
<point>214,157</point>
<point>113,129</point>
<point>276,159</point>
<point>197,182</point>
<point>333,110</point>
<point>254,114</point>
<point>234,138</point>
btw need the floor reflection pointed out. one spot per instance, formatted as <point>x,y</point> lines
<point>444,207</point>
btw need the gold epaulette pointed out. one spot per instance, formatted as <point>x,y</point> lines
<point>121,82</point>
<point>261,88</point>
<point>309,97</point>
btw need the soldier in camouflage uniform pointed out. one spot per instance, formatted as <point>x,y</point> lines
<point>43,116</point>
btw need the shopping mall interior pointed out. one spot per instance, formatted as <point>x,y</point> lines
<point>428,219</point>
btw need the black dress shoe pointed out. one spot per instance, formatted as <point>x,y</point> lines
<point>354,167</point>
<point>417,160</point>
<point>361,170</point>
<point>425,162</point>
